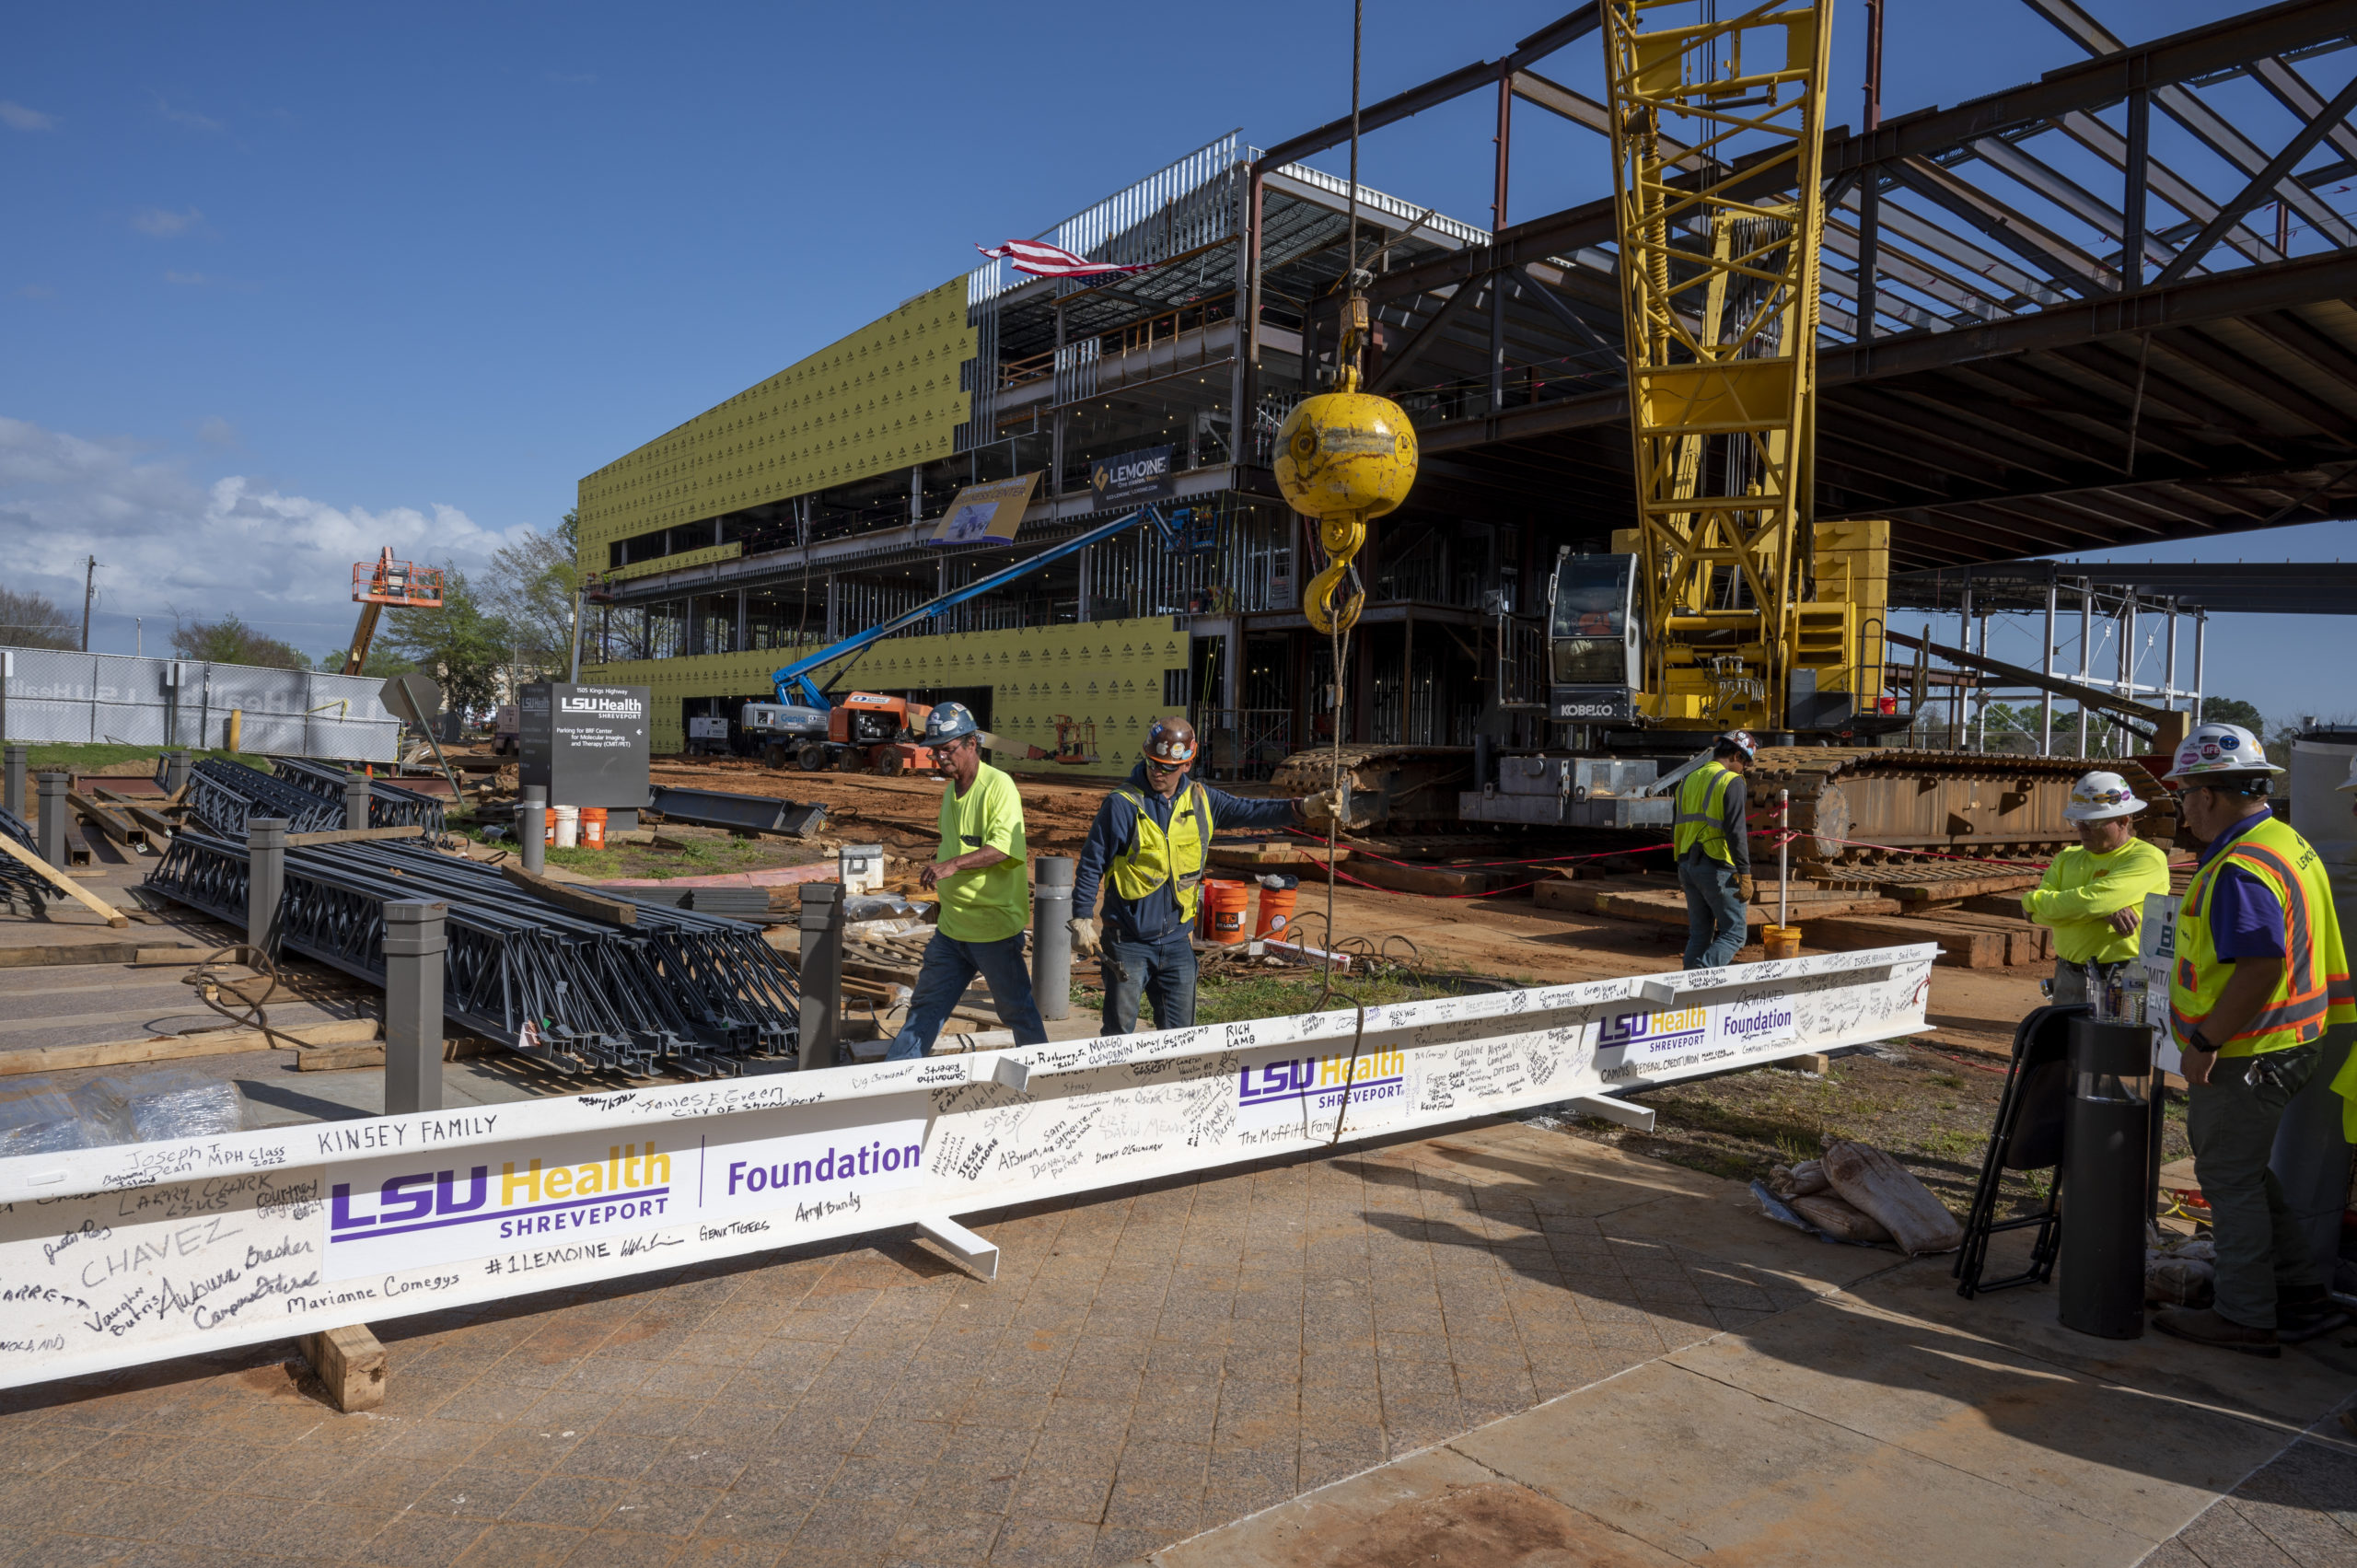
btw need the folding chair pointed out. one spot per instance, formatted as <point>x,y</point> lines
<point>2028,1136</point>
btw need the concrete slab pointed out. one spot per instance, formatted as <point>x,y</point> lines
<point>2101,1449</point>
<point>1438,1507</point>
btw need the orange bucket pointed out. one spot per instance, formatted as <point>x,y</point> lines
<point>1226,906</point>
<point>1276,911</point>
<point>593,826</point>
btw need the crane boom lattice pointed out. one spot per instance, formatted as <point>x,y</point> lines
<point>1720,307</point>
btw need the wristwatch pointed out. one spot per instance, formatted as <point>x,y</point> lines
<point>2199,1041</point>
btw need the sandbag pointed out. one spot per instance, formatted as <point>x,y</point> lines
<point>2178,1281</point>
<point>1837,1219</point>
<point>1876,1184</point>
<point>1799,1180</point>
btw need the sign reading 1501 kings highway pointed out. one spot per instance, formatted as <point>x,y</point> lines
<point>114,1256</point>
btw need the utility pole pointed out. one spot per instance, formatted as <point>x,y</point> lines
<point>89,592</point>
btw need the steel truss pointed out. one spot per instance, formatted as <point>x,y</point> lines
<point>695,994</point>
<point>389,805</point>
<point>225,796</point>
<point>17,881</point>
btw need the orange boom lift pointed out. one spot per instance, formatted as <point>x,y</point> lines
<point>387,582</point>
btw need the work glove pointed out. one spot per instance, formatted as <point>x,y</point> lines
<point>1749,888</point>
<point>1331,805</point>
<point>1083,935</point>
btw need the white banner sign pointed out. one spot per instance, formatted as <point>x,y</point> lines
<point>116,1255</point>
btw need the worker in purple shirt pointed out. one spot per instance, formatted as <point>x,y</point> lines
<point>1148,847</point>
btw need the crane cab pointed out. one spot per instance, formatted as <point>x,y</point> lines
<point>1595,640</point>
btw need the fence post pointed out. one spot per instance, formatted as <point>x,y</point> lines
<point>413,947</point>
<point>822,972</point>
<point>265,883</point>
<point>52,819</point>
<point>533,827</point>
<point>356,795</point>
<point>13,798</point>
<point>1051,933</point>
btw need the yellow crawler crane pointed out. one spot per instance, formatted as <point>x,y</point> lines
<point>1728,620</point>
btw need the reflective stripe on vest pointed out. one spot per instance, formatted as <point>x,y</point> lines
<point>1702,812</point>
<point>1155,858</point>
<point>2314,991</point>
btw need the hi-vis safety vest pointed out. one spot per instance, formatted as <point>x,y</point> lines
<point>1154,857</point>
<point>2315,990</point>
<point>1702,812</point>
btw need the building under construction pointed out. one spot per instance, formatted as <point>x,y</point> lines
<point>2108,307</point>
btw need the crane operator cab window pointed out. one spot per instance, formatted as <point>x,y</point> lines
<point>1592,639</point>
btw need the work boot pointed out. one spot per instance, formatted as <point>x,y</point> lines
<point>2204,1327</point>
<point>2303,1314</point>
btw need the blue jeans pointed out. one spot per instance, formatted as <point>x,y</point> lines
<point>1162,971</point>
<point>950,968</point>
<point>1714,914</point>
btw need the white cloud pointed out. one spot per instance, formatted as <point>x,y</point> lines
<point>18,117</point>
<point>163,224</point>
<point>217,431</point>
<point>185,117</point>
<point>284,562</point>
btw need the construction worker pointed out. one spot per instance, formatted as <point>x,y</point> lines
<point>1149,844</point>
<point>1714,852</point>
<point>2260,974</point>
<point>2093,895</point>
<point>984,878</point>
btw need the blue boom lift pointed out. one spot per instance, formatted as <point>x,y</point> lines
<point>866,728</point>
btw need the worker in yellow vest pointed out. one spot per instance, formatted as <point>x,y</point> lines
<point>1714,852</point>
<point>1147,848</point>
<point>2260,974</point>
<point>2094,895</point>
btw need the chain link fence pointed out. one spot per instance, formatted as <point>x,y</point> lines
<point>55,695</point>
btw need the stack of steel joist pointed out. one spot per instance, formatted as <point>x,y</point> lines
<point>389,805</point>
<point>224,796</point>
<point>15,880</point>
<point>674,989</point>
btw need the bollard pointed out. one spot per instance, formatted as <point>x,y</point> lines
<point>265,882</point>
<point>413,947</point>
<point>357,793</point>
<point>822,972</point>
<point>13,799</point>
<point>174,770</point>
<point>2103,1174</point>
<point>532,827</point>
<point>1051,933</point>
<point>52,819</point>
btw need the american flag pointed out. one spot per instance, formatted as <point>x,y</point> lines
<point>1042,259</point>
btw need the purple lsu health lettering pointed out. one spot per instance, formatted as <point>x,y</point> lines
<point>834,1165</point>
<point>629,1189</point>
<point>1271,1092</point>
<point>1654,1031</point>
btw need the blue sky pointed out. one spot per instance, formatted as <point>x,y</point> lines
<point>282,283</point>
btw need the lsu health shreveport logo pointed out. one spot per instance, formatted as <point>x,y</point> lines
<point>1669,1031</point>
<point>1269,1092</point>
<point>630,1184</point>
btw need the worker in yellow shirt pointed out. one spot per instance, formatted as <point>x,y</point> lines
<point>2093,895</point>
<point>983,875</point>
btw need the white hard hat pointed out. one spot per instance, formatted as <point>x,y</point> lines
<point>2100,796</point>
<point>2221,749</point>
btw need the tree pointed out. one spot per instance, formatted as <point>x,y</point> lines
<point>530,587</point>
<point>231,641</point>
<point>2233,710</point>
<point>458,645</point>
<point>381,663</point>
<point>32,620</point>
